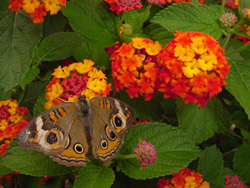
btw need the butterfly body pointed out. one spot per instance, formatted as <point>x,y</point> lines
<point>62,131</point>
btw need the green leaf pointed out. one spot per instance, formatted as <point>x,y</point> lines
<point>158,33</point>
<point>4,95</point>
<point>29,76</point>
<point>4,5</point>
<point>245,53</point>
<point>92,21</point>
<point>57,46</point>
<point>245,134</point>
<point>146,110</point>
<point>54,24</point>
<point>33,163</point>
<point>189,17</point>
<point>18,37</point>
<point>201,124</point>
<point>239,83</point>
<point>210,164</point>
<point>96,54</point>
<point>241,162</point>
<point>3,169</point>
<point>94,176</point>
<point>244,4</point>
<point>33,90</point>
<point>136,18</point>
<point>38,107</point>
<point>174,150</point>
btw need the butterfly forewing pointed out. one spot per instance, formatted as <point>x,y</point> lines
<point>48,132</point>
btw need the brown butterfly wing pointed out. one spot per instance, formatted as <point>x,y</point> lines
<point>110,120</point>
<point>49,132</point>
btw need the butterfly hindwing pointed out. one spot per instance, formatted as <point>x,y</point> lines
<point>110,120</point>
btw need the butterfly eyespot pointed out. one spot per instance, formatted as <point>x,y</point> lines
<point>111,135</point>
<point>117,121</point>
<point>78,148</point>
<point>52,138</point>
<point>104,144</point>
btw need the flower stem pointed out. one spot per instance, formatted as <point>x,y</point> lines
<point>129,156</point>
<point>239,49</point>
<point>222,7</point>
<point>224,44</point>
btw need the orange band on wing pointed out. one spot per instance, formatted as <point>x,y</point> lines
<point>53,116</point>
<point>61,111</point>
<point>112,145</point>
<point>108,106</point>
<point>101,104</point>
<point>71,153</point>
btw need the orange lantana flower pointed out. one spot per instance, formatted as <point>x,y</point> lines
<point>193,67</point>
<point>182,179</point>
<point>11,122</point>
<point>134,67</point>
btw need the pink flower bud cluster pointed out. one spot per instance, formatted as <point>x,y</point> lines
<point>146,152</point>
<point>228,19</point>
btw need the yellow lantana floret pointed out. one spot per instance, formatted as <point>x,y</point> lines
<point>198,44</point>
<point>191,69</point>
<point>3,124</point>
<point>190,182</point>
<point>207,62</point>
<point>84,67</point>
<point>30,6</point>
<point>154,48</point>
<point>52,5</point>
<point>88,93</point>
<point>56,91</point>
<point>60,72</point>
<point>184,53</point>
<point>139,43</point>
<point>97,85</point>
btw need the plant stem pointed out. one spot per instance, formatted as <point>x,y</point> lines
<point>129,156</point>
<point>224,44</point>
<point>225,155</point>
<point>239,49</point>
<point>23,94</point>
<point>222,7</point>
<point>236,135</point>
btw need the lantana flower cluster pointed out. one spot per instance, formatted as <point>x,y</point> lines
<point>233,181</point>
<point>79,78</point>
<point>182,179</point>
<point>119,6</point>
<point>37,9</point>
<point>11,122</point>
<point>192,66</point>
<point>134,67</point>
<point>163,2</point>
<point>232,3</point>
